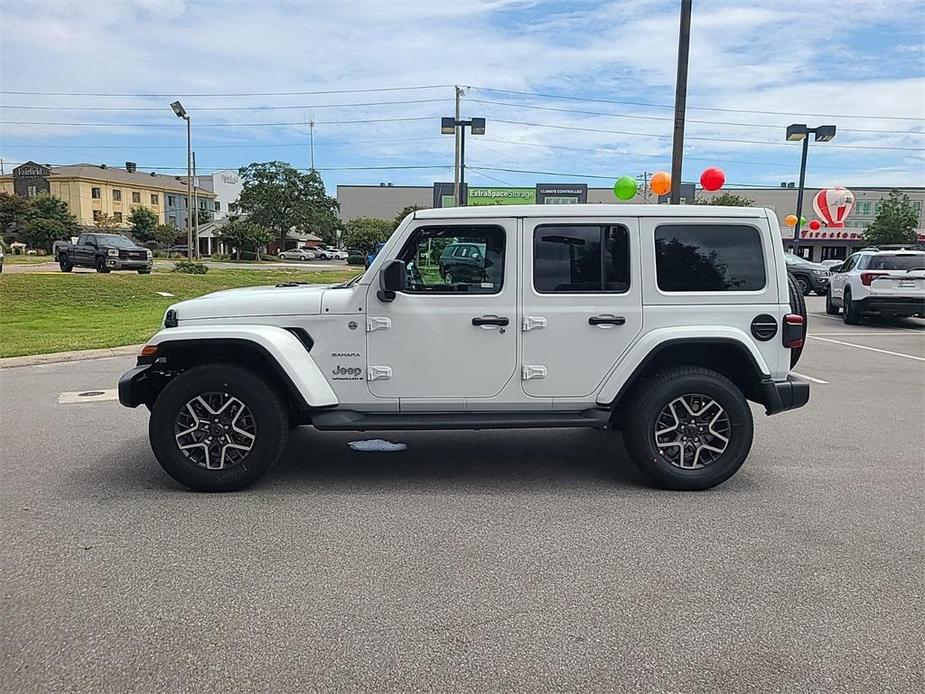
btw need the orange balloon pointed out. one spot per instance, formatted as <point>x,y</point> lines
<point>660,184</point>
<point>790,220</point>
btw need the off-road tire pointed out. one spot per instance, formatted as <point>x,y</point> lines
<point>850,313</point>
<point>264,404</point>
<point>101,264</point>
<point>144,272</point>
<point>64,263</point>
<point>830,308</point>
<point>647,403</point>
<point>797,305</point>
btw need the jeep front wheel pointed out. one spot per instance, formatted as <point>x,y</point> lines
<point>688,428</point>
<point>217,428</point>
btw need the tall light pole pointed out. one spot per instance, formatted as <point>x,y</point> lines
<point>448,127</point>
<point>680,102</point>
<point>795,133</point>
<point>181,113</point>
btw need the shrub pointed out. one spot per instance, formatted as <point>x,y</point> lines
<point>356,260</point>
<point>191,267</point>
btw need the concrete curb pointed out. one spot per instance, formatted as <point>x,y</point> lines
<point>61,357</point>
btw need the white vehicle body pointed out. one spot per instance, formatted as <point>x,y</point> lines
<point>890,282</point>
<point>298,254</point>
<point>332,254</point>
<point>358,356</point>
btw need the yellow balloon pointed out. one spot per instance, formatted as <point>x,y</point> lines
<point>660,184</point>
<point>790,220</point>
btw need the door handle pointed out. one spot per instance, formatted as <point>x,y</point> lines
<point>490,320</point>
<point>606,320</point>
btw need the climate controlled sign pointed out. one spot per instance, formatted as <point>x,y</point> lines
<point>501,196</point>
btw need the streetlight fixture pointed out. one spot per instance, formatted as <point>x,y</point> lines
<point>181,113</point>
<point>795,133</point>
<point>448,127</point>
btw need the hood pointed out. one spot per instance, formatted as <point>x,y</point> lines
<point>253,301</point>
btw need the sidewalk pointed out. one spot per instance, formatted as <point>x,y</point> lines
<point>61,357</point>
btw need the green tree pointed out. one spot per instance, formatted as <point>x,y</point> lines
<point>363,233</point>
<point>895,222</point>
<point>202,216</point>
<point>143,222</point>
<point>278,197</point>
<point>405,211</point>
<point>166,235</point>
<point>48,220</point>
<point>727,199</point>
<point>106,223</point>
<point>14,211</point>
<point>244,234</point>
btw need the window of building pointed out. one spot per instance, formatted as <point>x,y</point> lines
<point>172,220</point>
<point>116,195</point>
<point>917,206</point>
<point>136,197</point>
<point>117,216</point>
<point>95,193</point>
<point>31,191</point>
<point>97,215</point>
<point>455,260</point>
<point>218,206</point>
<point>863,207</point>
<point>203,204</point>
<point>171,202</point>
<point>154,199</point>
<point>580,258</point>
<point>708,258</point>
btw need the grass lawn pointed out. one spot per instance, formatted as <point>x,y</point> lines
<point>10,259</point>
<point>44,313</point>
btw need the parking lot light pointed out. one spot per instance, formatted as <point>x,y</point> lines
<point>448,127</point>
<point>795,133</point>
<point>178,109</point>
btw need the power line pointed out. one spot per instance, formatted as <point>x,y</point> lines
<point>670,119</point>
<point>224,108</point>
<point>695,108</point>
<point>232,94</point>
<point>706,139</point>
<point>248,145</point>
<point>217,125</point>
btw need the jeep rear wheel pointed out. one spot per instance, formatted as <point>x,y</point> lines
<point>689,428</point>
<point>217,428</point>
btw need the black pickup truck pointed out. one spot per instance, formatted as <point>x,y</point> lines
<point>104,252</point>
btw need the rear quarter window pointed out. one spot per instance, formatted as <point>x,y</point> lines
<point>709,258</point>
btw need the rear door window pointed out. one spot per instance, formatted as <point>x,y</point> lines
<point>580,258</point>
<point>709,258</point>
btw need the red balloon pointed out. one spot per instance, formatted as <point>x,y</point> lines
<point>815,225</point>
<point>712,178</point>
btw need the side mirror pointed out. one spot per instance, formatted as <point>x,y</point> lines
<point>392,278</point>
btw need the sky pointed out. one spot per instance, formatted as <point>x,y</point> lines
<point>577,91</point>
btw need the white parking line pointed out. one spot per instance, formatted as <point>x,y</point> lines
<point>870,349</point>
<point>868,333</point>
<point>811,379</point>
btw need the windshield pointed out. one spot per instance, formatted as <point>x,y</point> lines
<point>896,262</point>
<point>349,283</point>
<point>120,241</point>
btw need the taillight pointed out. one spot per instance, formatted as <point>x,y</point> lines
<point>868,277</point>
<point>793,330</point>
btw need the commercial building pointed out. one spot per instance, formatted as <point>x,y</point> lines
<point>94,190</point>
<point>386,201</point>
<point>227,187</point>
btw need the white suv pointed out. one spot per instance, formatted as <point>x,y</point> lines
<point>889,282</point>
<point>661,321</point>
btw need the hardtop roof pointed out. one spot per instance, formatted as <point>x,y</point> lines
<point>589,210</point>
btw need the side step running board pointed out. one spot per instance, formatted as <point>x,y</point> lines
<point>349,420</point>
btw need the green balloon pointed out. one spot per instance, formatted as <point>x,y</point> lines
<point>802,222</point>
<point>625,188</point>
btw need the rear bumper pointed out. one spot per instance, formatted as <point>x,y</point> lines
<point>780,396</point>
<point>901,305</point>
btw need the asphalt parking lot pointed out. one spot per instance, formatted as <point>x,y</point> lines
<point>486,561</point>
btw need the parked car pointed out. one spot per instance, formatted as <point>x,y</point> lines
<point>331,254</point>
<point>181,249</point>
<point>810,276</point>
<point>297,254</point>
<point>658,320</point>
<point>832,262</point>
<point>889,282</point>
<point>463,262</point>
<point>105,252</point>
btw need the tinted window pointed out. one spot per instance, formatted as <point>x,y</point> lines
<point>455,260</point>
<point>580,258</point>
<point>113,240</point>
<point>895,262</point>
<point>708,258</point>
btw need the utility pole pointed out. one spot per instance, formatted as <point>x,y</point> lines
<point>189,190</point>
<point>645,186</point>
<point>311,139</point>
<point>680,101</point>
<point>196,206</point>
<point>457,177</point>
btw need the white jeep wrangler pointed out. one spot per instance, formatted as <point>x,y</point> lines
<point>660,321</point>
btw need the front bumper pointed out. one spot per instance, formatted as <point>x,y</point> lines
<point>818,284</point>
<point>121,264</point>
<point>780,396</point>
<point>900,305</point>
<point>135,386</point>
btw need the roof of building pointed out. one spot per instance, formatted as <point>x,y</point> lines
<point>590,210</point>
<point>114,174</point>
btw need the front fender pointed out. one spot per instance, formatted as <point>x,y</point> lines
<point>289,355</point>
<point>650,342</point>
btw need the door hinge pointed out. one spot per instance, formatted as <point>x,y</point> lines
<point>373,324</point>
<point>533,323</point>
<point>379,373</point>
<point>532,371</point>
